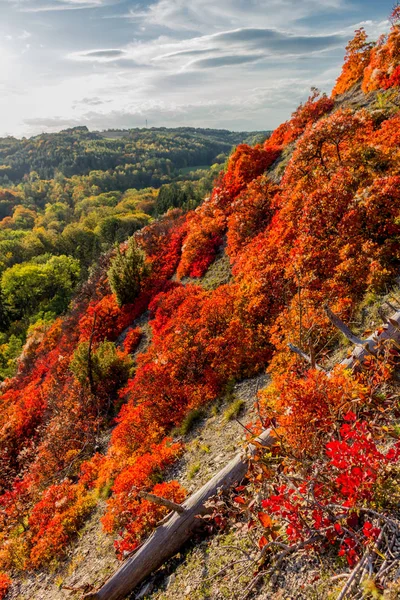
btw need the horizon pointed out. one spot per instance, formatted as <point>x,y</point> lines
<point>113,64</point>
<point>128,130</point>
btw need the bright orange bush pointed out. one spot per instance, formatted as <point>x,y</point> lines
<point>358,54</point>
<point>382,71</point>
<point>307,405</point>
<point>132,339</point>
<point>5,584</point>
<point>306,114</point>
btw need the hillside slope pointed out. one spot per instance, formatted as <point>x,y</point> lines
<point>307,219</point>
<point>69,197</point>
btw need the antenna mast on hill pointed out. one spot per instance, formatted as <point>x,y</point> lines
<point>146,123</point>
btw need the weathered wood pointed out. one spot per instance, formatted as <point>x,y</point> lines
<point>372,345</point>
<point>306,357</point>
<point>162,502</point>
<point>167,540</point>
<point>338,323</point>
<point>391,306</point>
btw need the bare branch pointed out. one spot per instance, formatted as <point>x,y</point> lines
<point>304,356</point>
<point>334,319</point>
<point>173,506</point>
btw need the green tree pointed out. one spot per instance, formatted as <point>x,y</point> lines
<point>127,271</point>
<point>103,368</point>
<point>9,352</point>
<point>33,286</point>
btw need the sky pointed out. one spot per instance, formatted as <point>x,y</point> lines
<point>233,64</point>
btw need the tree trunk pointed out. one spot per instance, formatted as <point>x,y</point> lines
<point>166,540</point>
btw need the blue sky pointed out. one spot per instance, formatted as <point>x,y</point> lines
<point>236,64</point>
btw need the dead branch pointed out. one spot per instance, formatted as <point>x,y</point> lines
<point>338,323</point>
<point>306,357</point>
<point>172,506</point>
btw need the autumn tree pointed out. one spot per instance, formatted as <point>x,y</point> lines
<point>358,52</point>
<point>104,367</point>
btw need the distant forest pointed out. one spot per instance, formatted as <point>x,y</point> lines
<point>138,157</point>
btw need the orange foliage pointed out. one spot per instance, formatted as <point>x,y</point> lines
<point>251,213</point>
<point>55,519</point>
<point>132,339</point>
<point>307,405</point>
<point>328,232</point>
<point>358,53</point>
<point>383,70</point>
<point>306,114</point>
<point>5,584</point>
<point>207,225</point>
<point>126,510</point>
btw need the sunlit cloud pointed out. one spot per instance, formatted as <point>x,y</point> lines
<point>232,63</point>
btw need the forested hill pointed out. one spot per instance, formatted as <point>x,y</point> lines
<point>148,155</point>
<point>294,254</point>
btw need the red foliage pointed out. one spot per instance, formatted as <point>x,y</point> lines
<point>306,114</point>
<point>251,213</point>
<point>5,584</point>
<point>245,164</point>
<point>327,503</point>
<point>132,339</point>
<point>207,226</point>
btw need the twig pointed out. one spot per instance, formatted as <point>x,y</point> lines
<point>340,576</point>
<point>244,426</point>
<point>353,577</point>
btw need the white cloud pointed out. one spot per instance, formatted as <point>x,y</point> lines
<point>33,6</point>
<point>208,15</point>
<point>231,63</point>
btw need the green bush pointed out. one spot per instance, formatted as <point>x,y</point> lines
<point>110,368</point>
<point>126,273</point>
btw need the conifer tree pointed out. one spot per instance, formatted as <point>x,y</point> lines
<point>126,273</point>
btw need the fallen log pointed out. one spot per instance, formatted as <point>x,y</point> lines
<point>375,342</point>
<point>338,323</point>
<point>167,539</point>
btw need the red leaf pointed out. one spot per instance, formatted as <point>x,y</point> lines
<point>262,542</point>
<point>265,519</point>
<point>239,500</point>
